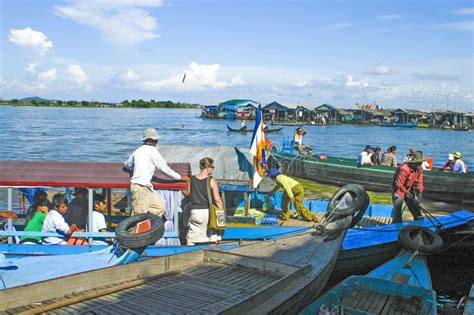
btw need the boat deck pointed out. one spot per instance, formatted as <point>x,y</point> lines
<point>208,287</point>
<point>379,303</point>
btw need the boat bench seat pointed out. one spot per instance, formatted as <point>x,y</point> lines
<point>379,303</point>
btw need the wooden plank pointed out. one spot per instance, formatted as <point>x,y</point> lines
<point>388,305</point>
<point>379,303</point>
<point>133,274</point>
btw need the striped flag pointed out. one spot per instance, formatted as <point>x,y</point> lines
<point>257,149</point>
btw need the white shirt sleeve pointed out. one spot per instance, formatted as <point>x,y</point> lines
<point>129,163</point>
<point>60,224</point>
<point>161,164</point>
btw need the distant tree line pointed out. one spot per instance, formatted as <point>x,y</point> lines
<point>129,104</point>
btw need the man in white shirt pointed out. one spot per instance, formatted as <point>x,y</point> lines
<point>143,163</point>
<point>459,165</point>
<point>364,157</point>
<point>98,219</point>
<point>56,223</point>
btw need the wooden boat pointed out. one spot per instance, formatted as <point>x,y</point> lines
<point>460,128</point>
<point>366,248</point>
<point>401,286</point>
<point>145,229</point>
<point>423,125</point>
<point>277,275</point>
<point>399,125</point>
<point>439,186</point>
<point>251,130</point>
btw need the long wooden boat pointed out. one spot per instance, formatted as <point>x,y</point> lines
<point>280,275</point>
<point>399,125</point>
<point>439,186</point>
<point>401,286</point>
<point>251,130</point>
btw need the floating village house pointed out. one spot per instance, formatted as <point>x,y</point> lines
<point>446,118</point>
<point>302,113</point>
<point>275,112</point>
<point>331,114</point>
<point>238,109</point>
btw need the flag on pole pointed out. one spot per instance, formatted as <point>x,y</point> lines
<point>257,149</point>
<point>184,77</point>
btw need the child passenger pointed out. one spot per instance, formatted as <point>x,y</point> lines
<point>55,222</point>
<point>35,222</point>
<point>98,219</point>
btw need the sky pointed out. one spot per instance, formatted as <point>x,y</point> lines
<point>396,53</point>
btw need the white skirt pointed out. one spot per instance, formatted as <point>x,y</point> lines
<point>198,228</point>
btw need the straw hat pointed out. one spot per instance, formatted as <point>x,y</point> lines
<point>457,154</point>
<point>151,133</point>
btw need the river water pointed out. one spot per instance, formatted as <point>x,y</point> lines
<point>111,134</point>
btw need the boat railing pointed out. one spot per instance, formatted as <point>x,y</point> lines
<point>11,233</point>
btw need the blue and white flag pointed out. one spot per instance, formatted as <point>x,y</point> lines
<point>257,149</point>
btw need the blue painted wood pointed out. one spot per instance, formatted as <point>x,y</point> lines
<point>19,271</point>
<point>369,247</point>
<point>406,276</point>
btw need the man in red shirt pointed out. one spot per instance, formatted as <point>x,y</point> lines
<point>407,186</point>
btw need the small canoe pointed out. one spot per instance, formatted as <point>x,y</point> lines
<point>251,130</point>
<point>463,128</point>
<point>401,286</point>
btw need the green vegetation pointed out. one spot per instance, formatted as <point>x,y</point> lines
<point>37,101</point>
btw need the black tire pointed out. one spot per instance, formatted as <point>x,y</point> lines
<point>360,203</point>
<point>431,240</point>
<point>139,240</point>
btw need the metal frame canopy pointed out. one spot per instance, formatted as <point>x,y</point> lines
<point>80,174</point>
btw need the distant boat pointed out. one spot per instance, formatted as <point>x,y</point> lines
<point>423,126</point>
<point>401,286</point>
<point>401,125</point>
<point>251,130</point>
<point>460,128</point>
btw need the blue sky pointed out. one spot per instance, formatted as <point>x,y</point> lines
<point>404,53</point>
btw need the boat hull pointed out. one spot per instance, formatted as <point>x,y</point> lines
<point>251,130</point>
<point>439,186</point>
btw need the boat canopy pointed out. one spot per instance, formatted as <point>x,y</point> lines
<point>80,174</point>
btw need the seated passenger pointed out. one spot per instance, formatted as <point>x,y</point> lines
<point>365,157</point>
<point>34,223</point>
<point>376,157</point>
<point>55,222</point>
<point>78,209</point>
<point>243,125</point>
<point>298,143</point>
<point>390,158</point>
<point>98,219</point>
<point>410,155</point>
<point>448,167</point>
<point>459,165</point>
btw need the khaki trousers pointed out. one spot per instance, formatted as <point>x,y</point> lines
<point>298,194</point>
<point>145,200</point>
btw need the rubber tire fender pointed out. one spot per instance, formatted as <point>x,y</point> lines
<point>360,204</point>
<point>406,240</point>
<point>139,240</point>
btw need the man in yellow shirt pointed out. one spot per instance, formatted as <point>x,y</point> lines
<point>293,192</point>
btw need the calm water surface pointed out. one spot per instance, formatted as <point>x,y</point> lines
<point>106,134</point>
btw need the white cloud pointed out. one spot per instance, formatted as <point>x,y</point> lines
<point>351,82</point>
<point>78,76</point>
<point>339,26</point>
<point>49,75</point>
<point>31,67</point>
<point>198,77</point>
<point>124,22</point>
<point>389,17</point>
<point>381,70</point>
<point>30,38</point>
<point>465,11</point>
<point>129,76</point>
<point>467,26</point>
